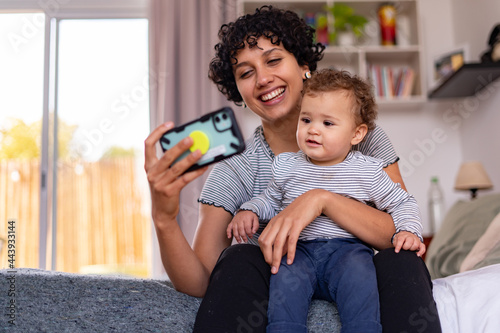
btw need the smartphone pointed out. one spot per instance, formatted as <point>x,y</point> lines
<point>216,134</point>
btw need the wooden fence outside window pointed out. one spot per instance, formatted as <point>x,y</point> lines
<point>101,213</point>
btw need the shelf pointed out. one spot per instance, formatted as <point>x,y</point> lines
<point>401,101</point>
<point>372,49</point>
<point>467,80</point>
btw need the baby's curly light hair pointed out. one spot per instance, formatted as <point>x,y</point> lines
<point>328,80</point>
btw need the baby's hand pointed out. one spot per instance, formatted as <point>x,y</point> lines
<point>408,241</point>
<point>243,226</point>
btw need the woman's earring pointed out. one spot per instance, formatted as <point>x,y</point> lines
<point>308,75</point>
<point>244,105</point>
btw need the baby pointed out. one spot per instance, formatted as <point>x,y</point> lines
<point>330,263</point>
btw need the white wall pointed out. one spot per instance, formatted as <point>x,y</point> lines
<point>427,146</point>
<point>473,21</point>
<point>480,132</point>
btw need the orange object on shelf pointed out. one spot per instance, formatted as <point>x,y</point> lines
<point>387,18</point>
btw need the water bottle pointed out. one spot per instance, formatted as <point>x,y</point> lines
<point>436,205</point>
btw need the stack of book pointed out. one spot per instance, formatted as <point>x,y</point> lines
<point>390,82</point>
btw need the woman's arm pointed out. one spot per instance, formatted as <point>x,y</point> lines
<point>211,236</point>
<point>393,171</point>
<point>367,223</point>
<point>189,268</point>
<point>377,144</point>
<point>188,271</point>
<point>282,233</point>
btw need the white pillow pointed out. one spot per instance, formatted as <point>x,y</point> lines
<point>468,301</point>
<point>487,242</point>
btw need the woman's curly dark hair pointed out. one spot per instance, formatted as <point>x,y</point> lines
<point>328,80</point>
<point>279,26</point>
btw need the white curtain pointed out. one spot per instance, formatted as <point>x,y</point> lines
<point>182,38</point>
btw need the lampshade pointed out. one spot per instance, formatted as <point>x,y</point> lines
<point>472,176</point>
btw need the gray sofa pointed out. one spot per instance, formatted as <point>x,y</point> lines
<point>46,301</point>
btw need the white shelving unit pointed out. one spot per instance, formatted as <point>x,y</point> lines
<point>368,52</point>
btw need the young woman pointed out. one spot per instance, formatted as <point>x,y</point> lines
<point>262,61</point>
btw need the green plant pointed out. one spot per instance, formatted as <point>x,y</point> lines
<point>345,20</point>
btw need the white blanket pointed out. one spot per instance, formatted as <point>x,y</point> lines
<point>470,301</point>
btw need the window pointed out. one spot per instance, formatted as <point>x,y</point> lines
<point>88,199</point>
<point>21,102</point>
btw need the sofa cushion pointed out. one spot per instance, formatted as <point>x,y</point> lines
<point>486,250</point>
<point>462,226</point>
<point>47,301</point>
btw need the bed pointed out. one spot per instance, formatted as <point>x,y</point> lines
<point>464,262</point>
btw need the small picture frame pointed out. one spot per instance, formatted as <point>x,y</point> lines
<point>448,63</point>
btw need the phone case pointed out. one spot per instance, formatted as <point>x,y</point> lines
<point>216,134</point>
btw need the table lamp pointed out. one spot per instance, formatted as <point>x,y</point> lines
<point>472,177</point>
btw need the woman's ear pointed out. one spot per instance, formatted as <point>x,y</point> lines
<point>359,134</point>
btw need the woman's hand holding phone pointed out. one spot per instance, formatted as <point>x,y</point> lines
<point>166,178</point>
<point>216,134</point>
<point>188,150</point>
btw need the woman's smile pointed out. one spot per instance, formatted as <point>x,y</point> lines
<point>275,94</point>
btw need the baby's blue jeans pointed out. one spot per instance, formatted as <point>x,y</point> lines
<point>339,270</point>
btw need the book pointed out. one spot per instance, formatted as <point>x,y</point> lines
<point>408,82</point>
<point>390,82</point>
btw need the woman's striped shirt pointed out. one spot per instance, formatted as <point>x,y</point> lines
<point>358,177</point>
<point>242,177</point>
